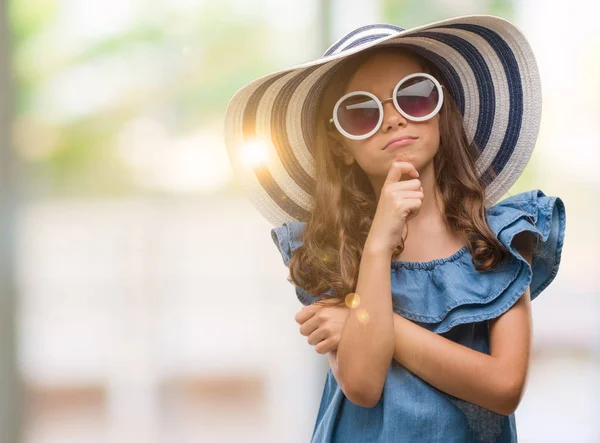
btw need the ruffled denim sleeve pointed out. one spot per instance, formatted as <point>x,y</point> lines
<point>511,217</point>
<point>287,238</point>
<point>447,292</point>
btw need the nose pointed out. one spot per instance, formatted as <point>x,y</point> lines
<point>391,117</point>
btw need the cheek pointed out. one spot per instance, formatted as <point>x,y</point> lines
<point>432,134</point>
<point>355,148</point>
<point>363,153</point>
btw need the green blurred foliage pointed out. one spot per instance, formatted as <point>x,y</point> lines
<point>411,13</point>
<point>30,17</point>
<point>201,59</point>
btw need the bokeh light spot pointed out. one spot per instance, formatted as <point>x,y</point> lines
<point>352,300</point>
<point>363,316</point>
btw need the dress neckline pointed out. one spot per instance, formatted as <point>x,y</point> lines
<point>397,264</point>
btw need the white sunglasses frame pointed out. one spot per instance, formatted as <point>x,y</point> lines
<point>437,84</point>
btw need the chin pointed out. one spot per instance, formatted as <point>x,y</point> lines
<point>406,157</point>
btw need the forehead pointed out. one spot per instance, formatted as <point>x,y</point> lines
<point>381,71</point>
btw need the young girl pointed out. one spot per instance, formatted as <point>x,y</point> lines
<point>379,165</point>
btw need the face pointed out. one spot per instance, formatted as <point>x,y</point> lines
<point>379,75</point>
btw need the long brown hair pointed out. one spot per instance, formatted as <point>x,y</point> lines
<point>345,202</point>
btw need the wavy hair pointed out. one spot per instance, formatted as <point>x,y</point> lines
<point>327,263</point>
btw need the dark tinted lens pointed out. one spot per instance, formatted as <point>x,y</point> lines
<point>418,97</point>
<point>358,115</point>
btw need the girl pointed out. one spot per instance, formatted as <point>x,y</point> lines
<point>394,132</point>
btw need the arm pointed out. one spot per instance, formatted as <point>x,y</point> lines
<point>332,357</point>
<point>494,381</point>
<point>365,350</point>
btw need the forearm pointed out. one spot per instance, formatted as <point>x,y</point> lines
<point>366,344</point>
<point>451,367</point>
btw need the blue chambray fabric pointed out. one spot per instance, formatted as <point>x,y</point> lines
<point>450,297</point>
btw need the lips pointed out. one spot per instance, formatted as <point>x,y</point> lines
<point>397,139</point>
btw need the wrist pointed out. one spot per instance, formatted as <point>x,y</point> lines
<point>377,249</point>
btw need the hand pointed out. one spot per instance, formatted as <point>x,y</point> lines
<point>322,323</point>
<point>399,201</point>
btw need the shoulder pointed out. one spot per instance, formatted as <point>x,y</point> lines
<point>288,237</point>
<point>534,207</point>
<point>531,225</point>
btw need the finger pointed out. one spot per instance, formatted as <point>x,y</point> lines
<point>414,205</point>
<point>399,168</point>
<point>326,346</point>
<point>305,313</point>
<point>317,336</point>
<point>411,195</point>
<point>309,326</point>
<point>408,185</point>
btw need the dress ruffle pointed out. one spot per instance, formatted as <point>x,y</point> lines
<point>446,292</point>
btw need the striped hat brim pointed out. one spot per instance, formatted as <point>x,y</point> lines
<point>489,67</point>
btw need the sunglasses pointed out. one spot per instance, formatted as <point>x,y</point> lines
<point>359,114</point>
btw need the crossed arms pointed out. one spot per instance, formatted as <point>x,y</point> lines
<point>496,381</point>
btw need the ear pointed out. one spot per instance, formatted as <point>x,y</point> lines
<point>339,148</point>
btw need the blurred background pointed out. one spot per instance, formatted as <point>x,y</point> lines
<point>142,297</point>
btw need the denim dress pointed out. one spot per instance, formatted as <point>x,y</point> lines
<point>449,297</point>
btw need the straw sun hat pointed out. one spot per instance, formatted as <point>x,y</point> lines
<point>489,67</point>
